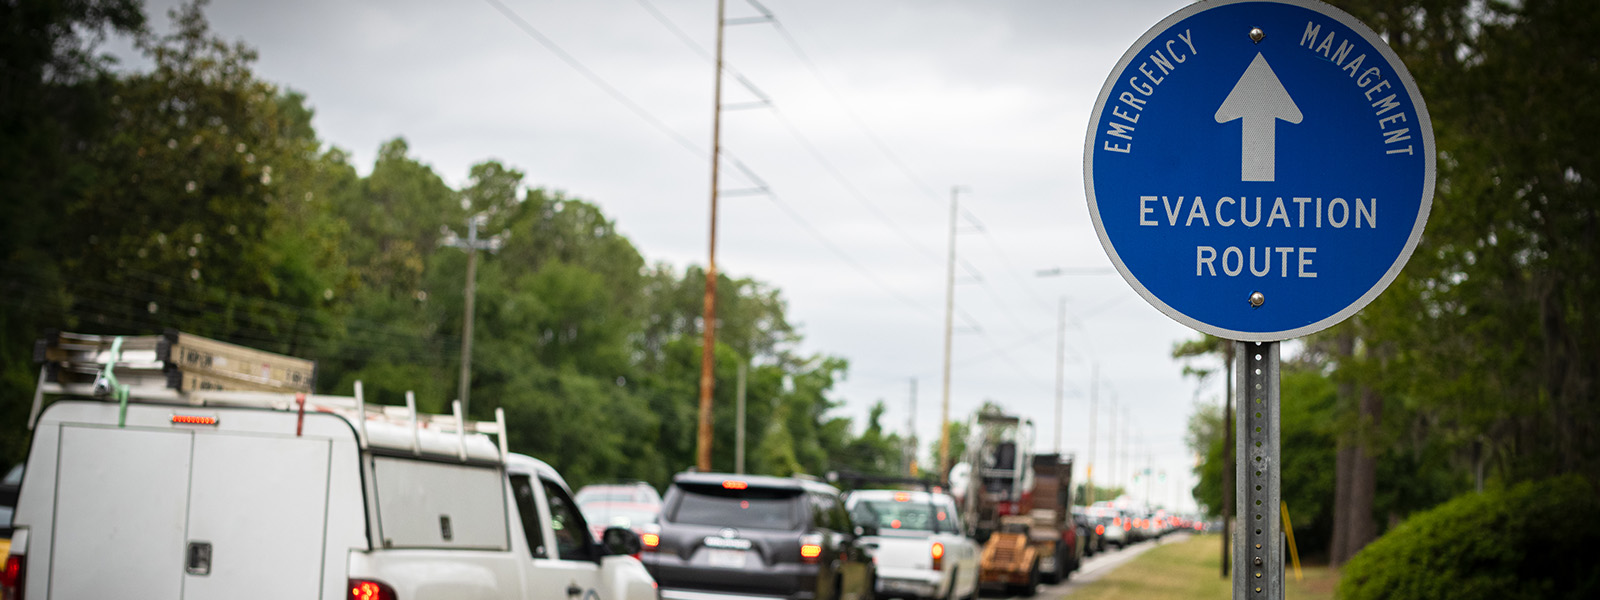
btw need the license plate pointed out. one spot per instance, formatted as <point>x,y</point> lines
<point>727,559</point>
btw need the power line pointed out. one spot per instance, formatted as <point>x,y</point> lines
<point>682,141</point>
<point>595,78</point>
<point>877,142</point>
<point>809,228</point>
<point>793,130</point>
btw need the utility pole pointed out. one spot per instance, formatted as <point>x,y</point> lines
<point>911,428</point>
<point>1111,445</point>
<point>1061,364</point>
<point>1126,464</point>
<point>949,330</point>
<point>708,352</point>
<point>738,431</point>
<point>1148,464</point>
<point>1094,399</point>
<point>472,245</point>
<point>738,449</point>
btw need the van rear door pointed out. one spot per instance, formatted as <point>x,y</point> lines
<point>121,496</point>
<point>257,507</point>
<point>188,513</point>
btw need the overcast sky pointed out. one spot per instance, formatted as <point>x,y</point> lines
<point>913,97</point>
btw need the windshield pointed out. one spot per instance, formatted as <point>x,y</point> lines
<point>616,493</point>
<point>607,514</point>
<point>752,508</point>
<point>889,515</point>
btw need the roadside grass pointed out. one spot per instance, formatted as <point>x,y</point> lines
<point>1191,569</point>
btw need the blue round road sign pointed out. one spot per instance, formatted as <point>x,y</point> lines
<point>1259,170</point>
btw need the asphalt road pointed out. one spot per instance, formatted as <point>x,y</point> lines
<point>1096,567</point>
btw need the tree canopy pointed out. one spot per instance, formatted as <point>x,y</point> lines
<point>197,196</point>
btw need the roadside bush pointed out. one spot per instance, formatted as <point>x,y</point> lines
<point>1533,540</point>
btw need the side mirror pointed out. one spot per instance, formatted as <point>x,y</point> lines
<point>618,541</point>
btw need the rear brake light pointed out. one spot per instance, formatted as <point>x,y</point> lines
<point>193,420</point>
<point>938,556</point>
<point>650,541</point>
<point>366,589</point>
<point>1099,529</point>
<point>734,485</point>
<point>11,578</point>
<point>810,547</point>
<point>902,497</point>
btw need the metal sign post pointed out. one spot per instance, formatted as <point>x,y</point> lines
<point>1257,546</point>
<point>1259,170</point>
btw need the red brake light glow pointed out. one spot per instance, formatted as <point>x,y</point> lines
<point>650,540</point>
<point>902,497</point>
<point>193,420</point>
<point>811,551</point>
<point>11,577</point>
<point>895,524</point>
<point>364,589</point>
<point>1099,529</point>
<point>734,485</point>
<point>938,556</point>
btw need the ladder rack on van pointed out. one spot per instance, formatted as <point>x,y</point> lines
<point>136,369</point>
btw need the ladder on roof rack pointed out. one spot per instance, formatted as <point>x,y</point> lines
<point>141,368</point>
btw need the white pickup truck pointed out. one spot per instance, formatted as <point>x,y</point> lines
<point>249,495</point>
<point>918,543</point>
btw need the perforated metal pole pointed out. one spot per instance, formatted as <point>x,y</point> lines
<point>1257,557</point>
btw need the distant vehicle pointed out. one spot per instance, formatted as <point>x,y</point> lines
<point>263,495</point>
<point>1094,539</point>
<point>631,506</point>
<point>1117,527</point>
<point>917,540</point>
<point>633,517</point>
<point>738,537</point>
<point>633,492</point>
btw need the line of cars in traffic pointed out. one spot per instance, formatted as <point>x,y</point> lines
<point>1118,525</point>
<point>719,536</point>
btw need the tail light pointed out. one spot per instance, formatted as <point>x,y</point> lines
<point>11,578</point>
<point>1099,529</point>
<point>938,556</point>
<point>649,537</point>
<point>1117,522</point>
<point>810,547</point>
<point>367,589</point>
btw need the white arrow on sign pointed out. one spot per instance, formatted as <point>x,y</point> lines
<point>1260,100</point>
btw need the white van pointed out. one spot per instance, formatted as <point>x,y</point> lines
<point>240,495</point>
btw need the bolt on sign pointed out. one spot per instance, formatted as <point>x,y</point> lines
<point>1259,170</point>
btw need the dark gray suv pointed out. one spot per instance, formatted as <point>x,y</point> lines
<point>740,537</point>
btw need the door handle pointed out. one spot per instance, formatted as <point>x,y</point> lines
<point>573,591</point>
<point>198,558</point>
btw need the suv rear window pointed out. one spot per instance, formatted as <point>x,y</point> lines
<point>753,508</point>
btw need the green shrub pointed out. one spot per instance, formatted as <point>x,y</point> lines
<point>1534,540</point>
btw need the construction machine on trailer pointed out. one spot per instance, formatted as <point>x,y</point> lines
<point>1019,504</point>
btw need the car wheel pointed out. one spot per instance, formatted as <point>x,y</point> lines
<point>1032,588</point>
<point>1052,576</point>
